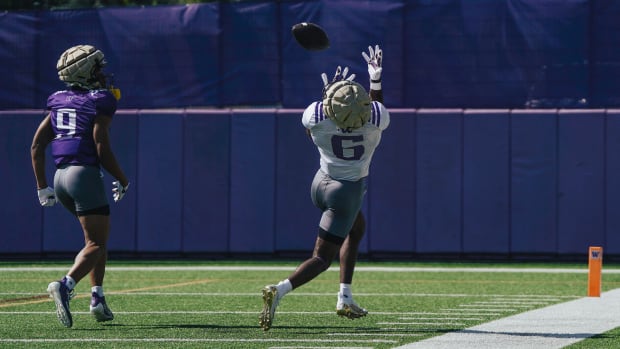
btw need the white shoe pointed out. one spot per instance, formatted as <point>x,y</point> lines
<point>270,302</point>
<point>346,307</point>
<point>99,308</point>
<point>61,295</point>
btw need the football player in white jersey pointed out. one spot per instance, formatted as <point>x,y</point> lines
<point>346,127</point>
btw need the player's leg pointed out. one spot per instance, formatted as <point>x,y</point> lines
<point>98,306</point>
<point>96,232</point>
<point>345,305</point>
<point>349,249</point>
<point>325,250</point>
<point>98,273</point>
<point>340,202</point>
<point>92,260</point>
<point>87,189</point>
<point>80,189</point>
<point>61,291</point>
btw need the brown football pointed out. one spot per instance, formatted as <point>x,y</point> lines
<point>310,36</point>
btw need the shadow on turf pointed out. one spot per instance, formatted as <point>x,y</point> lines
<point>298,330</point>
<point>172,326</point>
<point>290,329</point>
<point>212,326</point>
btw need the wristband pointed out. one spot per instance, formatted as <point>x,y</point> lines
<point>375,85</point>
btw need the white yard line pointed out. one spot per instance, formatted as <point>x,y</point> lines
<point>552,327</point>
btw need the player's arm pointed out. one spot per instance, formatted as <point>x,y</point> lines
<point>42,137</point>
<point>101,136</point>
<point>376,95</point>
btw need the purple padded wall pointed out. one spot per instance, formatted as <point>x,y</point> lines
<point>533,182</point>
<point>439,166</point>
<point>505,182</point>
<point>22,219</point>
<point>124,139</point>
<point>252,180</point>
<point>486,181</point>
<point>391,214</point>
<point>297,160</point>
<point>159,180</point>
<point>581,180</point>
<point>612,181</point>
<point>206,180</point>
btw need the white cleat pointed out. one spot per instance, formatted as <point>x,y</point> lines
<point>99,308</point>
<point>61,296</point>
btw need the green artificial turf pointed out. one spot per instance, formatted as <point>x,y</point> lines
<point>201,304</point>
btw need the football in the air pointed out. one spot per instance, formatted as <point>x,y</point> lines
<point>310,36</point>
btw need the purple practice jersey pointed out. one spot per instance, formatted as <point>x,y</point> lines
<point>73,115</point>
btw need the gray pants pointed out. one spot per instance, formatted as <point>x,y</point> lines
<point>80,189</point>
<point>339,200</point>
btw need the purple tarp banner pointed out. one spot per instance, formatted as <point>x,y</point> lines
<point>438,54</point>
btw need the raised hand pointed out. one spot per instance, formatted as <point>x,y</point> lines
<point>374,59</point>
<point>341,74</point>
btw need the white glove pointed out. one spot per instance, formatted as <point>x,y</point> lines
<point>374,60</point>
<point>47,197</point>
<point>119,190</point>
<point>340,75</point>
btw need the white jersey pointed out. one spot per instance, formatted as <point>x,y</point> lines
<point>345,155</point>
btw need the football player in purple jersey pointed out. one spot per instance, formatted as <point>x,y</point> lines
<point>346,127</point>
<point>76,127</point>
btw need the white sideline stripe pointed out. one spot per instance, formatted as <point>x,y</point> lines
<point>196,340</point>
<point>336,269</point>
<point>552,327</point>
